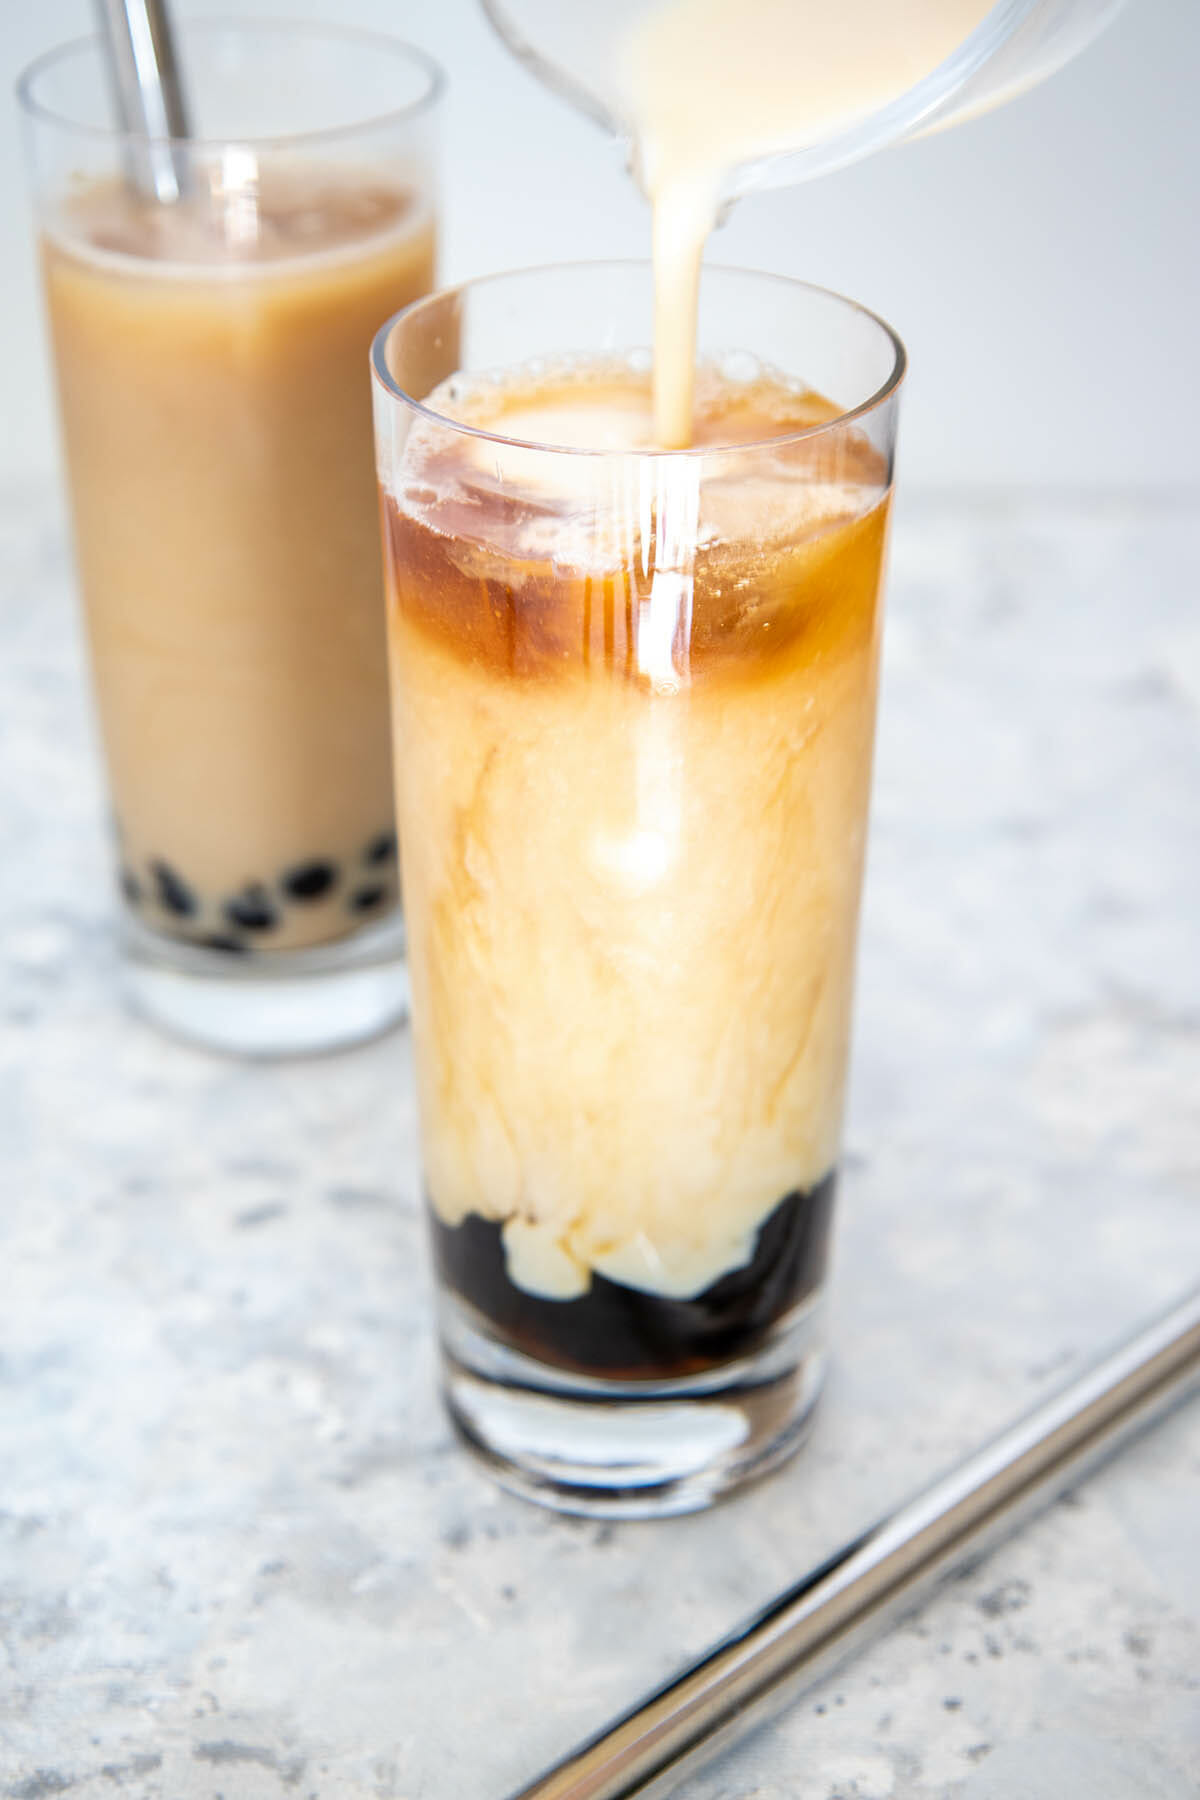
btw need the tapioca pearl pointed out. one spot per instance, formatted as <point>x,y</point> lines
<point>368,899</point>
<point>172,892</point>
<point>310,880</point>
<point>130,887</point>
<point>381,849</point>
<point>252,909</point>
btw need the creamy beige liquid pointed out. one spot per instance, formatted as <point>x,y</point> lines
<point>634,719</point>
<point>713,84</point>
<point>215,401</point>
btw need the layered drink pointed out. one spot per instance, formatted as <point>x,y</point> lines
<point>634,699</point>
<point>211,365</point>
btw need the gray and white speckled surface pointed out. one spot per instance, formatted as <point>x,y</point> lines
<point>240,1555</point>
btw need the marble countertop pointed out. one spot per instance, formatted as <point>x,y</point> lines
<point>240,1554</point>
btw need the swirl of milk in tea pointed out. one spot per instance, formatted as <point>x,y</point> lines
<point>634,701</point>
<point>710,85</point>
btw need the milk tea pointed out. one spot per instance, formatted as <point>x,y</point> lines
<point>216,421</point>
<point>634,737</point>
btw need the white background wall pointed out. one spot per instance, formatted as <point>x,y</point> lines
<point>1043,264</point>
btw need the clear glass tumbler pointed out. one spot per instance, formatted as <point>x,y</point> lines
<point>634,703</point>
<point>211,358</point>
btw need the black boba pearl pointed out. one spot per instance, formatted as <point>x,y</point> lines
<point>251,910</point>
<point>131,887</point>
<point>310,880</point>
<point>366,899</point>
<point>173,892</point>
<point>219,940</point>
<point>381,849</point>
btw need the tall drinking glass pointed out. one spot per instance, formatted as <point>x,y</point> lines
<point>633,703</point>
<point>211,356</point>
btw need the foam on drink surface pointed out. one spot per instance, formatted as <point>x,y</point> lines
<point>264,220</point>
<point>502,491</point>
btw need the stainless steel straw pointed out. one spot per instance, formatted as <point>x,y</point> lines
<point>816,1624</point>
<point>148,91</point>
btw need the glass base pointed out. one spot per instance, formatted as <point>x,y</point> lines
<point>629,1450</point>
<point>270,1003</point>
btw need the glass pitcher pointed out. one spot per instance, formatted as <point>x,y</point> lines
<point>576,49</point>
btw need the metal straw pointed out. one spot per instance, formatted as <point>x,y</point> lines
<point>814,1626</point>
<point>148,91</point>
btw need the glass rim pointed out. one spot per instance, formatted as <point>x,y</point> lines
<point>91,43</point>
<point>878,398</point>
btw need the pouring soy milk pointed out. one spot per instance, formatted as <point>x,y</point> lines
<point>713,85</point>
<point>717,97</point>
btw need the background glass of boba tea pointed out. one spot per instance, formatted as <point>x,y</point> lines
<point>211,360</point>
<point>634,702</point>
